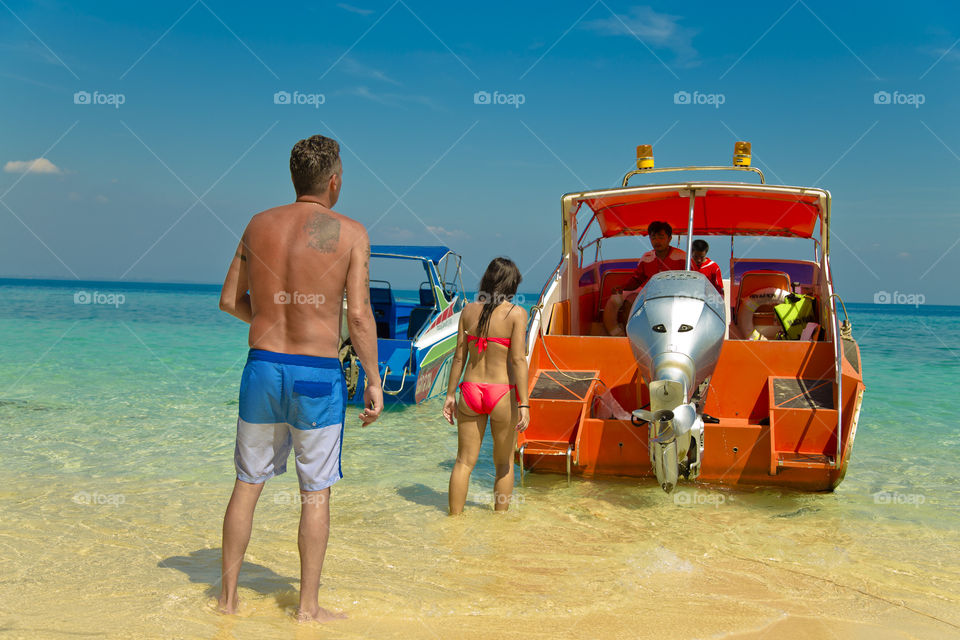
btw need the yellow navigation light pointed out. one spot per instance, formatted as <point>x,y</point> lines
<point>741,154</point>
<point>644,156</point>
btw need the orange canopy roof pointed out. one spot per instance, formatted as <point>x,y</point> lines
<point>790,212</point>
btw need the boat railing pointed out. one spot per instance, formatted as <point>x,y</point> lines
<point>537,309</point>
<point>403,380</point>
<point>838,358</point>
<point>639,172</point>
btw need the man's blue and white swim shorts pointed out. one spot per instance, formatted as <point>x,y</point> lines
<point>291,401</point>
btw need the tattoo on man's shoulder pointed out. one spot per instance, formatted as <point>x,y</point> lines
<point>323,231</point>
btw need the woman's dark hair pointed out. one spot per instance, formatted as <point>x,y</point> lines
<point>498,284</point>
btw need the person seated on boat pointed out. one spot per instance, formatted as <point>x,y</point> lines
<point>700,262</point>
<point>491,354</point>
<point>662,257</point>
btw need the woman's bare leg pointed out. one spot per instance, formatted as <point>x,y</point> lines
<point>503,423</point>
<point>470,428</point>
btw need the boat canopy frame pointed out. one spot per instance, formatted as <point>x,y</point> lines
<point>444,264</point>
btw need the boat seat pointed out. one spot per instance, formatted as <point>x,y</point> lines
<point>418,317</point>
<point>381,300</point>
<point>612,279</point>
<point>426,295</point>
<point>753,281</point>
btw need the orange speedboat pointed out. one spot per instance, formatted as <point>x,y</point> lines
<point>759,386</point>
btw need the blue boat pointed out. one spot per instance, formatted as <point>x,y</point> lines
<point>417,319</point>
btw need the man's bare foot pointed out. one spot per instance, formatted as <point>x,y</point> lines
<point>319,615</point>
<point>227,606</point>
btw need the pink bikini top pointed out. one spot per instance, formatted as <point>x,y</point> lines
<point>482,342</point>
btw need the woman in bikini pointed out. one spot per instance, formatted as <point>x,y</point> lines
<point>491,345</point>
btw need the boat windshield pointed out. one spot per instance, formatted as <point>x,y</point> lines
<point>405,277</point>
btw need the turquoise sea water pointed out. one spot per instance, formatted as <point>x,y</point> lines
<point>117,420</point>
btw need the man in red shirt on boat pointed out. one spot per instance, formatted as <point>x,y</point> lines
<point>700,262</point>
<point>663,257</point>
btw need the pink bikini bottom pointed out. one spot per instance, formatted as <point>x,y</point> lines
<point>482,397</point>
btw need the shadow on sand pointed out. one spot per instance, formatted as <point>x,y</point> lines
<point>203,567</point>
<point>423,495</point>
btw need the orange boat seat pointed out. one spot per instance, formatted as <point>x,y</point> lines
<point>612,279</point>
<point>753,281</point>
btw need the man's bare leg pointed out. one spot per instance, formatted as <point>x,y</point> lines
<point>312,541</point>
<point>237,524</point>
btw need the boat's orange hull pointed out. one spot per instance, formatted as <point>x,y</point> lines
<point>766,435</point>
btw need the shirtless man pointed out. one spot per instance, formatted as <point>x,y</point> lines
<point>287,281</point>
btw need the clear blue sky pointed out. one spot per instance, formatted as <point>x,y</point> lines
<point>398,80</point>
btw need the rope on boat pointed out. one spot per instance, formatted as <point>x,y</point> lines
<point>846,327</point>
<point>538,308</point>
<point>351,370</point>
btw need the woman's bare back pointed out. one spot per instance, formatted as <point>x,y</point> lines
<point>491,365</point>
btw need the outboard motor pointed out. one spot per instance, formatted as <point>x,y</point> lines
<point>676,329</point>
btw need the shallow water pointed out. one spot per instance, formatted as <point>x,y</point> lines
<point>117,441</point>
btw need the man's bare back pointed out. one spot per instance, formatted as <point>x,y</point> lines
<point>297,259</point>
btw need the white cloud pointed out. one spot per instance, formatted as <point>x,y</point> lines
<point>444,233</point>
<point>389,99</point>
<point>102,199</point>
<point>40,165</point>
<point>657,30</point>
<point>950,55</point>
<point>357,68</point>
<point>353,9</point>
